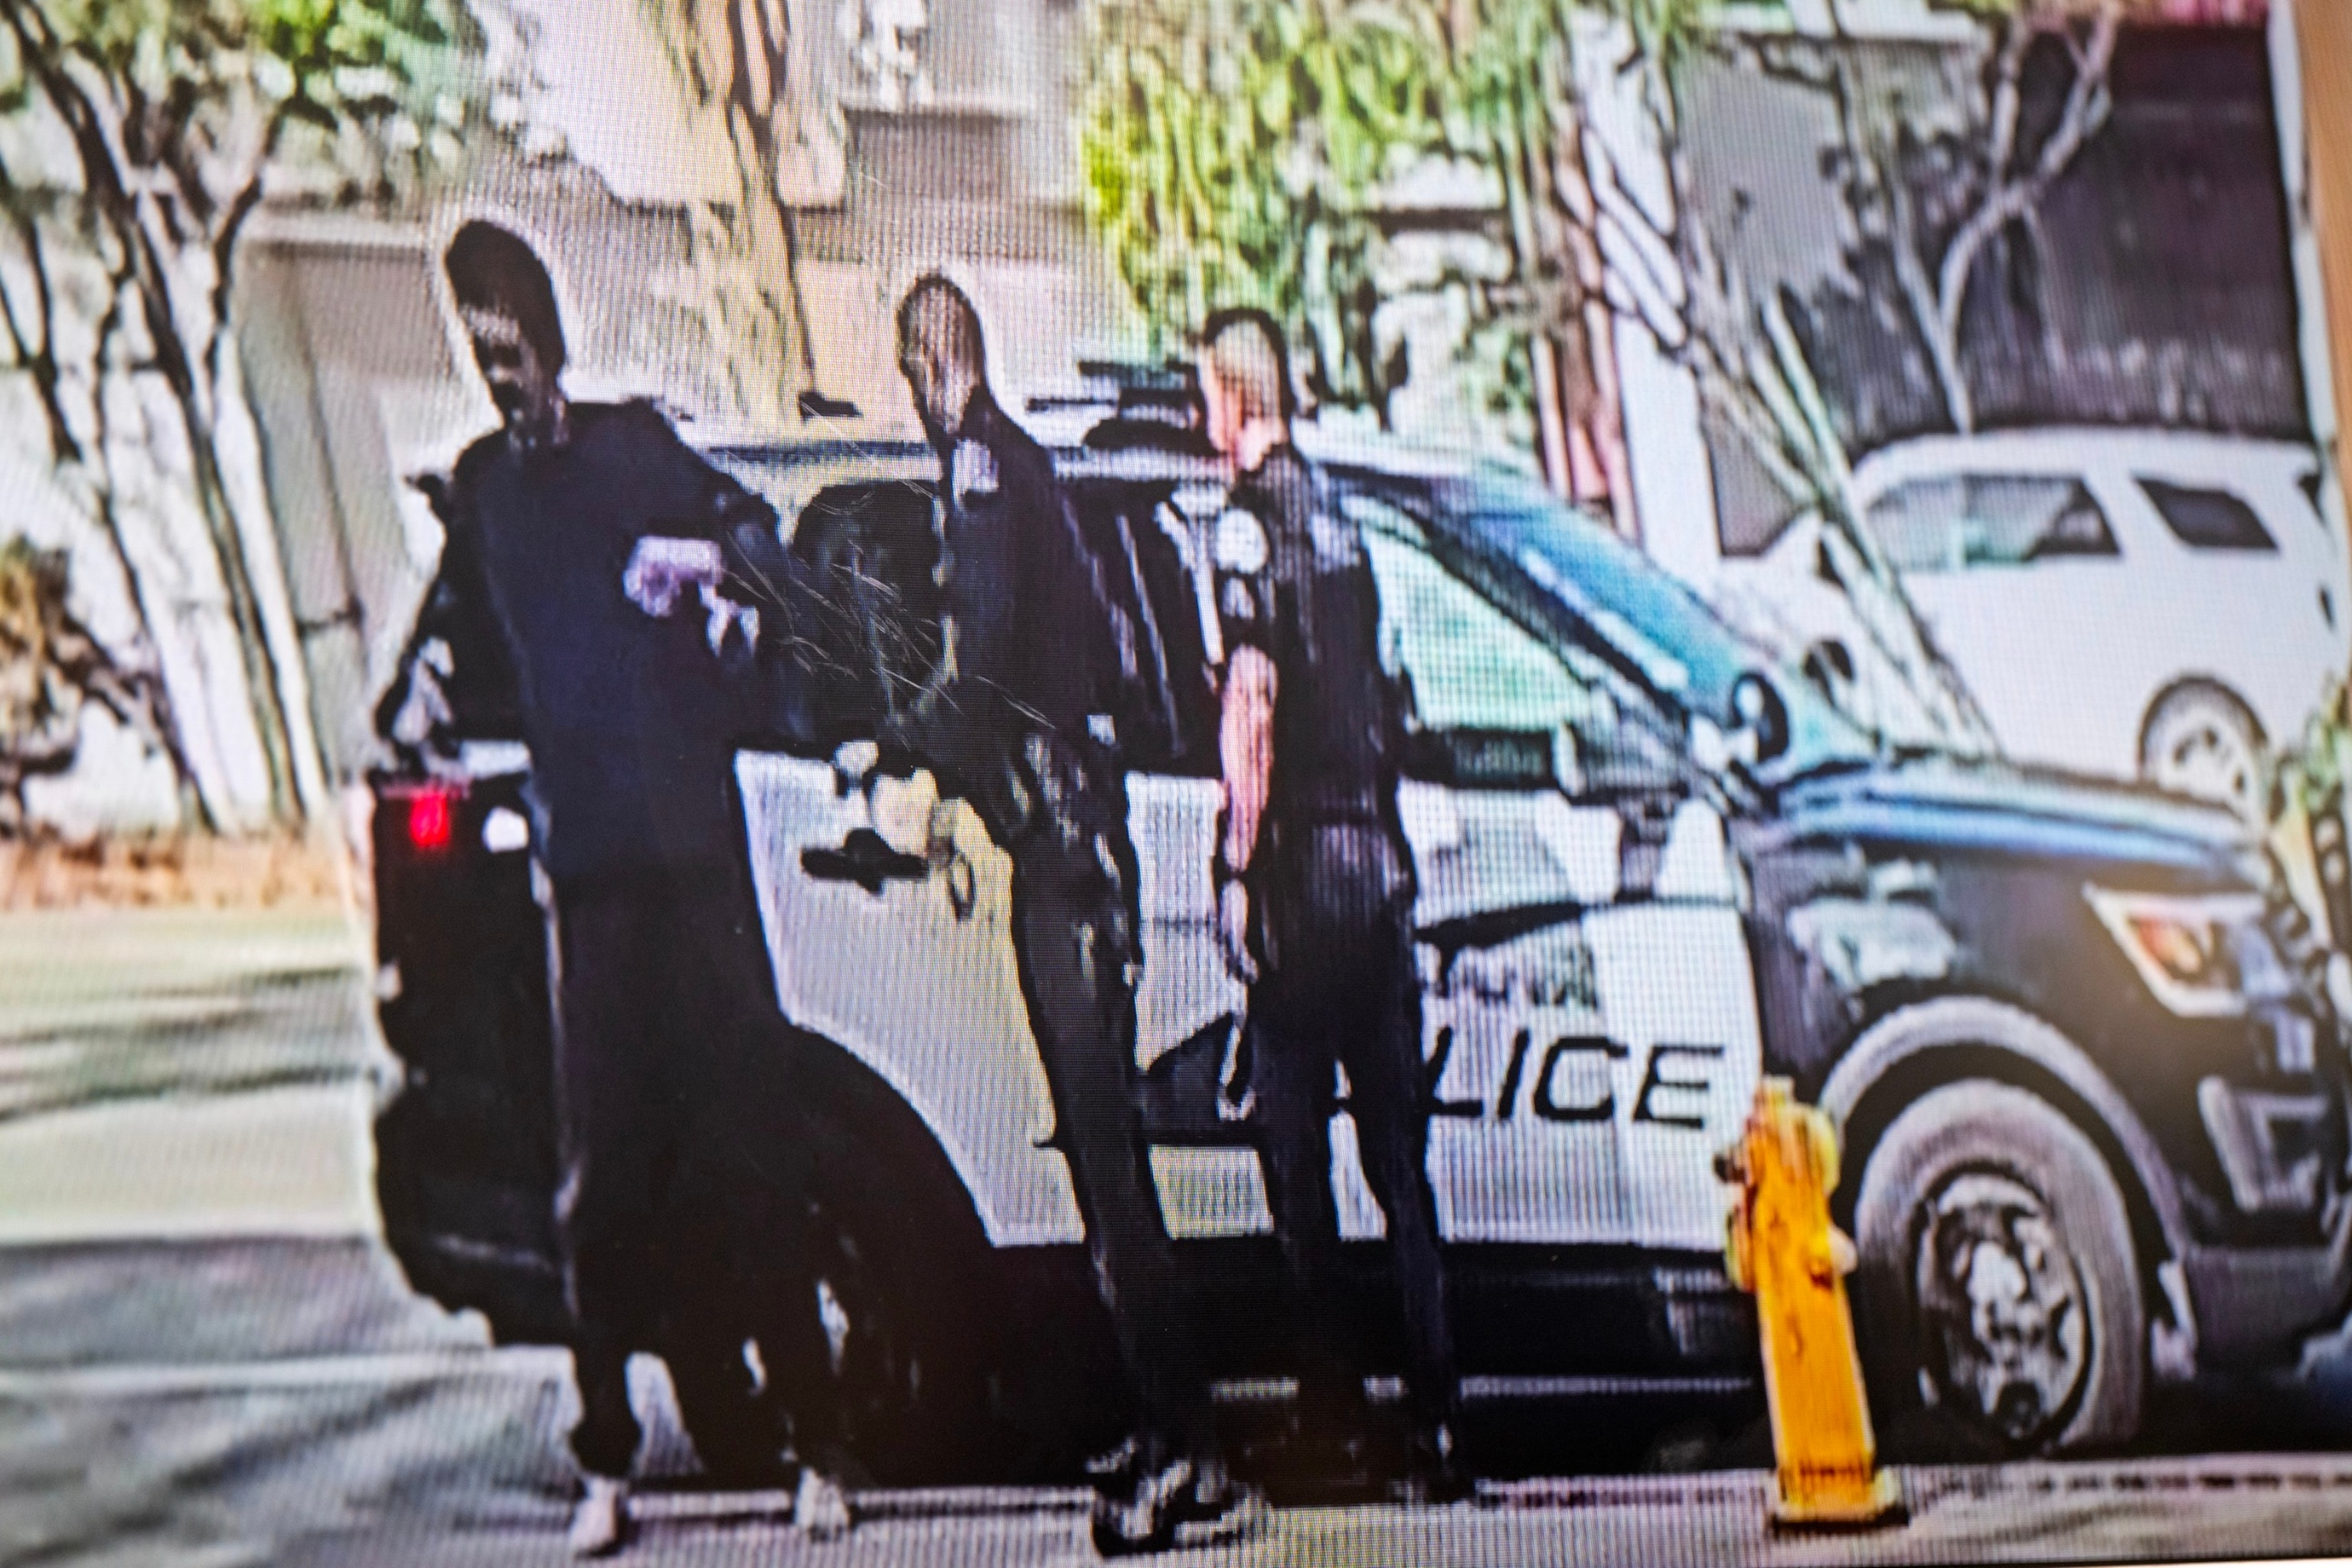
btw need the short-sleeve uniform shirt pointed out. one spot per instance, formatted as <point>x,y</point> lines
<point>1293,580</point>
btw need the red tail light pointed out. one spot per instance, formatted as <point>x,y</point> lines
<point>431,814</point>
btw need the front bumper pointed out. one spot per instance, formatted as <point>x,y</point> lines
<point>2255,1305</point>
<point>2280,1149</point>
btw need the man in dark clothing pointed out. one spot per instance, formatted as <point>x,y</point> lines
<point>674,1068</point>
<point>1315,881</point>
<point>1034,655</point>
<point>455,680</point>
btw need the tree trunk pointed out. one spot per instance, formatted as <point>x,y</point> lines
<point>263,682</point>
<point>264,685</point>
<point>1551,414</point>
<point>1586,338</point>
<point>117,210</point>
<point>194,806</point>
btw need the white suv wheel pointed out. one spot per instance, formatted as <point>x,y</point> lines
<point>2201,743</point>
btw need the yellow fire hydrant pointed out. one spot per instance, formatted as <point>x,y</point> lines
<point>1781,1247</point>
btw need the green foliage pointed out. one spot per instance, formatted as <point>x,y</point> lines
<point>190,79</point>
<point>1230,154</point>
<point>2315,767</point>
<point>1235,153</point>
<point>419,59</point>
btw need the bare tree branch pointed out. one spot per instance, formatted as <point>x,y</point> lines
<point>2086,111</point>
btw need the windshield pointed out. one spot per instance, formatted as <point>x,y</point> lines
<point>1684,652</point>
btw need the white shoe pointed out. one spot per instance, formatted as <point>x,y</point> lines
<point>600,1525</point>
<point>820,1508</point>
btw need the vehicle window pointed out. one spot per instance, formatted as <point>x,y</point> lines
<point>1951,524</point>
<point>879,640</point>
<point>2208,520</point>
<point>1174,726</point>
<point>1470,668</point>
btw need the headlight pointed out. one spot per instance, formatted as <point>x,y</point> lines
<point>2203,957</point>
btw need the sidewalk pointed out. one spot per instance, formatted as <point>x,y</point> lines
<point>2122,1512</point>
<point>172,1073</point>
<point>291,1162</point>
<point>106,1005</point>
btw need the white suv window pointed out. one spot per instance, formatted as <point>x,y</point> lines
<point>1954,523</point>
<point>2209,519</point>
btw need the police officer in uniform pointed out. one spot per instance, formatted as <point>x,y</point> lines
<point>674,1070</point>
<point>1316,887</point>
<point>1035,653</point>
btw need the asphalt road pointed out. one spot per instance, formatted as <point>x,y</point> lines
<point>206,1358</point>
<point>101,1004</point>
<point>286,1402</point>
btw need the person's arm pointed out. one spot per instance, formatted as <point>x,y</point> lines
<point>950,723</point>
<point>451,636</point>
<point>1249,684</point>
<point>1246,751</point>
<point>1246,754</point>
<point>715,536</point>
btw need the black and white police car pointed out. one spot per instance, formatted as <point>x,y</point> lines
<point>2092,1090</point>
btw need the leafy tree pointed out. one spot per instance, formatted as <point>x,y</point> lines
<point>138,138</point>
<point>1231,152</point>
<point>740,66</point>
<point>1942,178</point>
<point>1239,154</point>
<point>1511,108</point>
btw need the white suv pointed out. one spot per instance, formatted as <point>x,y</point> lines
<point>2149,605</point>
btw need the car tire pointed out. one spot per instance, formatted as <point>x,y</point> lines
<point>2201,742</point>
<point>902,1311</point>
<point>1998,1282</point>
<point>730,1417</point>
<point>907,1388</point>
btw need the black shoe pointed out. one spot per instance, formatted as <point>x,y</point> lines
<point>1216,1510</point>
<point>1141,1515</point>
<point>1316,1463</point>
<point>1434,1474</point>
<point>1113,1474</point>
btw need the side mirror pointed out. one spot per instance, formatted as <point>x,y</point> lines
<point>1759,711</point>
<point>1758,733</point>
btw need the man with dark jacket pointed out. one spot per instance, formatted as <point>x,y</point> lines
<point>674,1070</point>
<point>1315,884</point>
<point>1035,658</point>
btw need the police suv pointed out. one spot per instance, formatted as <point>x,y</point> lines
<point>2090,1087</point>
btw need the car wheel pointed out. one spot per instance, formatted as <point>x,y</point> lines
<point>900,1318</point>
<point>2201,742</point>
<point>726,1408</point>
<point>1998,1281</point>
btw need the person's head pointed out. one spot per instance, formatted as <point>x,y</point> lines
<point>940,353</point>
<point>507,304</point>
<point>1244,382</point>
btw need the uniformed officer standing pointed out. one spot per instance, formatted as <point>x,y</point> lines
<point>672,1062</point>
<point>1315,881</point>
<point>1034,653</point>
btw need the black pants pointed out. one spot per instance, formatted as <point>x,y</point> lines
<point>684,1170</point>
<point>1074,917</point>
<point>1336,930</point>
